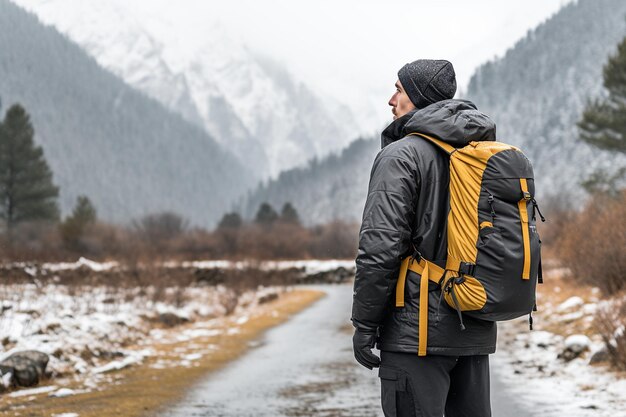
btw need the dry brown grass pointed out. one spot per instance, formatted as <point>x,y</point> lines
<point>101,242</point>
<point>557,288</point>
<point>591,244</point>
<point>594,243</point>
<point>611,323</point>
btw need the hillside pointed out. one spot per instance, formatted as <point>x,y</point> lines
<point>537,91</point>
<point>125,151</point>
<point>332,188</point>
<point>243,99</point>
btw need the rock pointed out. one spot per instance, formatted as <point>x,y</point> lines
<point>170,319</point>
<point>6,341</point>
<point>212,276</point>
<point>575,345</point>
<point>266,298</point>
<point>27,367</point>
<point>599,355</point>
<point>110,354</point>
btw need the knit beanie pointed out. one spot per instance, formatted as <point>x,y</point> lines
<point>427,81</point>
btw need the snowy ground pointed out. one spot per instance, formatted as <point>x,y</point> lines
<point>538,367</point>
<point>88,331</point>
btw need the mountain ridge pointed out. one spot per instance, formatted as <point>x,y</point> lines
<point>101,138</point>
<point>271,121</point>
<point>534,93</point>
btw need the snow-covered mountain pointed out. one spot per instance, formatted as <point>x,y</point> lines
<point>535,93</point>
<point>104,139</point>
<point>248,103</point>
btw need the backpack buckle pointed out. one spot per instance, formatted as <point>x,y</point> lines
<point>466,268</point>
<point>527,196</point>
<point>417,255</point>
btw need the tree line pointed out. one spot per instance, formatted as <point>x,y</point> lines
<point>32,227</point>
<point>28,196</point>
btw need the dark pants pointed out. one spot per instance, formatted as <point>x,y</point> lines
<point>426,386</point>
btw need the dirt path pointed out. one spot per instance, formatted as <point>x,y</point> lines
<point>303,368</point>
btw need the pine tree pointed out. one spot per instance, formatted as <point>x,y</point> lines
<point>26,188</point>
<point>266,215</point>
<point>288,214</point>
<point>230,221</point>
<point>604,122</point>
<point>74,227</point>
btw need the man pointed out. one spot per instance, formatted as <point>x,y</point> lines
<point>405,214</point>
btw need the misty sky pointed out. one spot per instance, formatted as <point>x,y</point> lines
<point>349,50</point>
<point>352,49</point>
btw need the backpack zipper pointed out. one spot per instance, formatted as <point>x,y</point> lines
<point>490,201</point>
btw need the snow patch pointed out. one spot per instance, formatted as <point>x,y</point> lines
<point>62,392</point>
<point>577,342</point>
<point>570,304</point>
<point>32,391</point>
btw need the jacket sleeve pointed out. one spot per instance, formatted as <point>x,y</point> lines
<point>385,234</point>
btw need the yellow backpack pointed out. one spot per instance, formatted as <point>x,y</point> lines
<point>494,260</point>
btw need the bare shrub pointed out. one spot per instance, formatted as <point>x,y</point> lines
<point>559,214</point>
<point>198,244</point>
<point>334,240</point>
<point>229,240</point>
<point>33,240</point>
<point>167,237</point>
<point>594,242</point>
<point>158,230</point>
<point>610,321</point>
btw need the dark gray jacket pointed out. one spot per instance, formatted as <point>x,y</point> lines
<point>406,209</point>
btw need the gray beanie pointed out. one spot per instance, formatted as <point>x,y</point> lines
<point>427,81</point>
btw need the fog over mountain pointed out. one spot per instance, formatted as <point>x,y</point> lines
<point>323,190</point>
<point>535,93</point>
<point>102,138</point>
<point>247,102</point>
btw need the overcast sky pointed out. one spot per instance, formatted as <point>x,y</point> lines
<point>352,49</point>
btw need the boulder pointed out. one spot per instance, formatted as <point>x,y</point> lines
<point>574,346</point>
<point>27,367</point>
<point>170,319</point>
<point>599,355</point>
<point>267,297</point>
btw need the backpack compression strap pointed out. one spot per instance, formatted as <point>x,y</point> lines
<point>523,215</point>
<point>428,272</point>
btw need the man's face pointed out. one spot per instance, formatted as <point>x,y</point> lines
<point>400,102</point>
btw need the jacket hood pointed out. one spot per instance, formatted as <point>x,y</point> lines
<point>457,122</point>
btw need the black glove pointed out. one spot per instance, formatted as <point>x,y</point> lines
<point>362,342</point>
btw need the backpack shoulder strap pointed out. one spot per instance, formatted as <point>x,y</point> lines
<point>449,149</point>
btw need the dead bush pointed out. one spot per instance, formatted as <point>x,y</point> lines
<point>610,321</point>
<point>594,242</point>
<point>335,240</point>
<point>559,214</point>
